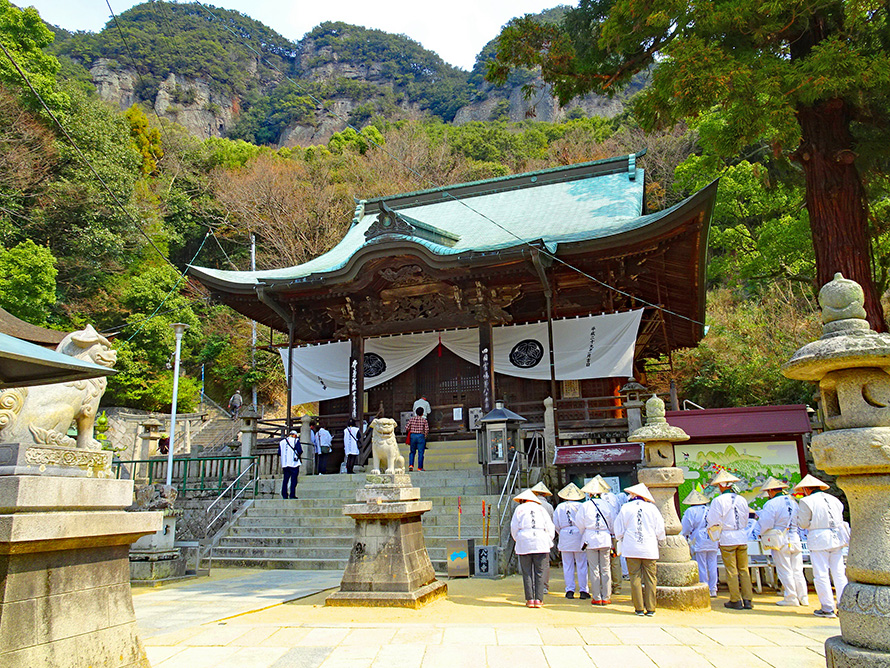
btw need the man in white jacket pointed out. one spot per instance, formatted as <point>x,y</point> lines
<point>639,528</point>
<point>290,451</point>
<point>777,526</point>
<point>532,529</point>
<point>597,518</point>
<point>728,518</point>
<point>822,515</point>
<point>695,528</point>
<point>566,520</point>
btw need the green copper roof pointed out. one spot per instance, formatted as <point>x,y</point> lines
<point>487,216</point>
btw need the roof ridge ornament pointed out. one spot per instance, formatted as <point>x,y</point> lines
<point>632,166</point>
<point>390,221</point>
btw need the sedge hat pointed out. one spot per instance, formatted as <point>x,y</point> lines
<point>541,488</point>
<point>641,491</point>
<point>695,498</point>
<point>810,481</point>
<point>571,493</point>
<point>773,483</point>
<point>723,477</point>
<point>596,486</point>
<point>527,495</point>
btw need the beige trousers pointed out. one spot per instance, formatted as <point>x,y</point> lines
<point>642,583</point>
<point>735,561</point>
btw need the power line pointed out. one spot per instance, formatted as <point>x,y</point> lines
<point>83,157</point>
<point>424,179</point>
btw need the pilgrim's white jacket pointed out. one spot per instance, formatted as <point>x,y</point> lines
<point>639,526</point>
<point>532,529</point>
<point>780,513</point>
<point>695,528</point>
<point>822,515</point>
<point>565,519</point>
<point>598,526</point>
<point>730,511</point>
<point>288,455</point>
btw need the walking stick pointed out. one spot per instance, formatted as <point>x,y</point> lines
<point>484,542</point>
<point>458,518</point>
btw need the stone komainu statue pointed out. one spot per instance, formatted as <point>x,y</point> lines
<point>43,414</point>
<point>384,448</point>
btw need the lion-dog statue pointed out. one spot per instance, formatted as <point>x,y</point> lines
<point>384,448</point>
<point>43,414</point>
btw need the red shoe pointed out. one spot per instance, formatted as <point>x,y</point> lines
<point>529,604</point>
<point>539,604</point>
<point>595,602</point>
<point>609,602</point>
<point>420,469</point>
<point>410,468</point>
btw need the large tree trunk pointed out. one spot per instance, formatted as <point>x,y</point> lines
<point>836,201</point>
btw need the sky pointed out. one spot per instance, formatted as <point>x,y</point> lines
<point>456,30</point>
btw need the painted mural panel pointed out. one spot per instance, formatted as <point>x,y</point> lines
<point>753,463</point>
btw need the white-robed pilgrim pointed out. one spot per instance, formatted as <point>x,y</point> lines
<point>288,449</point>
<point>730,512</point>
<point>639,525</point>
<point>531,526</point>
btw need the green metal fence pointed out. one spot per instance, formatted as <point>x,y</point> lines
<point>192,476</point>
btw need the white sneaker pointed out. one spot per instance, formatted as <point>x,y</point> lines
<point>805,601</point>
<point>788,602</point>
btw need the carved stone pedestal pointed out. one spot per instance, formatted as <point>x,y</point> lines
<point>389,564</point>
<point>851,363</point>
<point>64,569</point>
<point>676,573</point>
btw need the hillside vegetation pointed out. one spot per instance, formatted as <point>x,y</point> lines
<point>110,247</point>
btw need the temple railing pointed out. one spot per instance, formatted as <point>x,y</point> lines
<point>192,476</point>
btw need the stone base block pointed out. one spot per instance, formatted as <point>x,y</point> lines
<point>696,597</point>
<point>380,599</point>
<point>674,549</point>
<point>677,574</point>
<point>53,460</point>
<point>839,654</point>
<point>388,479</point>
<point>387,493</point>
<point>864,611</point>
<point>156,566</point>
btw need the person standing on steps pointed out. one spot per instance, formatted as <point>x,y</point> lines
<point>425,405</point>
<point>727,524</point>
<point>235,403</point>
<point>540,490</point>
<point>323,448</point>
<point>290,451</point>
<point>822,515</point>
<point>351,437</point>
<point>778,530</point>
<point>417,429</point>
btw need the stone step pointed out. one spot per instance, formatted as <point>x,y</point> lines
<point>294,564</point>
<point>471,503</point>
<point>292,541</point>
<point>272,552</point>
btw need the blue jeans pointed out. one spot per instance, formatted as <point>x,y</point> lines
<point>418,445</point>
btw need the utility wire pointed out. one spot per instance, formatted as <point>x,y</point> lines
<point>83,157</point>
<point>425,179</point>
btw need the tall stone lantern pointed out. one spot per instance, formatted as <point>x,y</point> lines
<point>851,363</point>
<point>678,584</point>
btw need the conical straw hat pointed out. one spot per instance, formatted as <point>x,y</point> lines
<point>571,493</point>
<point>541,488</point>
<point>773,483</point>
<point>695,498</point>
<point>527,495</point>
<point>596,486</point>
<point>640,490</point>
<point>723,478</point>
<point>810,481</point>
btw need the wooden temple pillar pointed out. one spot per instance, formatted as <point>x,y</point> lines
<point>357,380</point>
<point>486,368</point>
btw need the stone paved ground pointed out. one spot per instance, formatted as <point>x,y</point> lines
<point>242,618</point>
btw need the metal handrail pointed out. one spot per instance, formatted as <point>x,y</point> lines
<point>193,471</point>
<point>509,486</point>
<point>687,402</point>
<point>232,500</point>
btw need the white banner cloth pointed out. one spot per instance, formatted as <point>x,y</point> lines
<point>591,347</point>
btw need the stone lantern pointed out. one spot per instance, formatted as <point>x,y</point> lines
<point>851,363</point>
<point>499,438</point>
<point>678,584</point>
<point>633,392</point>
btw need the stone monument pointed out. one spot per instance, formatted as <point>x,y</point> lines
<point>677,573</point>
<point>155,558</point>
<point>388,564</point>
<point>851,363</point>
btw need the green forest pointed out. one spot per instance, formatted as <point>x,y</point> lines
<point>102,210</point>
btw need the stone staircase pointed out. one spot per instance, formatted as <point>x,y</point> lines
<point>311,532</point>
